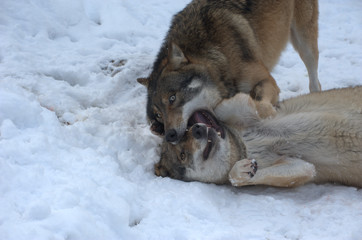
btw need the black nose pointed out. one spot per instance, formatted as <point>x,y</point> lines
<point>199,131</point>
<point>171,135</point>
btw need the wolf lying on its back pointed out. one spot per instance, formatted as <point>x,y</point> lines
<point>313,138</point>
<point>217,48</point>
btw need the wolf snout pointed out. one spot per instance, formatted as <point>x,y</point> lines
<point>171,136</point>
<point>199,131</point>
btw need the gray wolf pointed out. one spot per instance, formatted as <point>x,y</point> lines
<point>217,48</point>
<point>312,138</point>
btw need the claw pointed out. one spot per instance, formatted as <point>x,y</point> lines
<point>254,167</point>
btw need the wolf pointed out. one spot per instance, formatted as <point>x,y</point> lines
<point>217,48</point>
<point>312,138</point>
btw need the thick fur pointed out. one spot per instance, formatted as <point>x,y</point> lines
<point>313,138</point>
<point>217,48</point>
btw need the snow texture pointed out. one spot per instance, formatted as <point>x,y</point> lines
<point>76,153</point>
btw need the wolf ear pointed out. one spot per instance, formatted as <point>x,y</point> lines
<point>177,57</point>
<point>143,81</point>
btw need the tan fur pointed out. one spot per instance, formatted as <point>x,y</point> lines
<point>230,46</point>
<point>313,138</point>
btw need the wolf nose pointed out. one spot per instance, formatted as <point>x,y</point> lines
<point>171,135</point>
<point>199,131</point>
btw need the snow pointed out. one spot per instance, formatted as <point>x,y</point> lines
<point>76,153</point>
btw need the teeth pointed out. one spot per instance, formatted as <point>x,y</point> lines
<point>209,141</point>
<point>219,134</point>
<point>187,129</point>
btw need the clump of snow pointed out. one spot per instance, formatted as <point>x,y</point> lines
<point>76,153</point>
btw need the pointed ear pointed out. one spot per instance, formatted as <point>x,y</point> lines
<point>177,57</point>
<point>143,81</point>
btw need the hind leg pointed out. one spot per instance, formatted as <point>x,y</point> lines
<point>304,37</point>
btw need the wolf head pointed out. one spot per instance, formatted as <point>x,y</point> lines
<point>211,145</point>
<point>205,153</point>
<point>177,88</point>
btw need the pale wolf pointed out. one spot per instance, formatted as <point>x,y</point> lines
<point>313,138</point>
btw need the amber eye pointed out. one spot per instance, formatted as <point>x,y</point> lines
<point>158,115</point>
<point>172,99</point>
<point>182,156</point>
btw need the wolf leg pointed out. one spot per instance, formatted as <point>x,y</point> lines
<point>265,109</point>
<point>266,95</point>
<point>288,172</point>
<point>304,37</point>
<point>238,111</point>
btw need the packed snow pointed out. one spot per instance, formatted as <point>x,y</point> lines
<point>76,153</point>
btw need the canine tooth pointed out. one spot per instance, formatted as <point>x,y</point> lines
<point>209,141</point>
<point>219,134</point>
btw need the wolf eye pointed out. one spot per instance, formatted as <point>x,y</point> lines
<point>182,156</point>
<point>172,98</point>
<point>157,114</point>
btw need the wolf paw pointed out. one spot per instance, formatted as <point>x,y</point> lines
<point>265,109</point>
<point>242,172</point>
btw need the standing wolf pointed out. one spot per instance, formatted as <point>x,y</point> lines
<point>217,48</point>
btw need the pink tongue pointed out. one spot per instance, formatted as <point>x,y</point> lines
<point>205,118</point>
<point>200,118</point>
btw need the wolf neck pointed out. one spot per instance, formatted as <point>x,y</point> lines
<point>235,139</point>
<point>258,139</point>
<point>282,135</point>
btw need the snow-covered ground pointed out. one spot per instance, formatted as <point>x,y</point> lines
<point>76,153</point>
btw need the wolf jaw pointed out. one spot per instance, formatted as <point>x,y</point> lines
<point>207,100</point>
<point>211,163</point>
<point>212,126</point>
<point>205,117</point>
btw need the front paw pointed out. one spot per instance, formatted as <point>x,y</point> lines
<point>242,172</point>
<point>265,109</point>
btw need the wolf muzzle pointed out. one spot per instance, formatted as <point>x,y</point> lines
<point>171,136</point>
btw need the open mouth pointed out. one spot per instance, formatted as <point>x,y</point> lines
<point>205,117</point>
